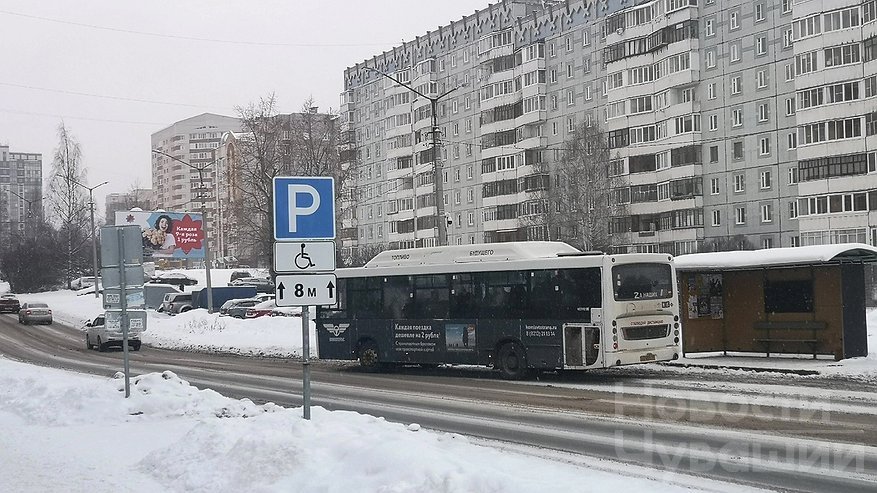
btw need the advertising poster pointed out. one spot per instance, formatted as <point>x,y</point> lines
<point>167,234</point>
<point>705,296</point>
<point>460,337</point>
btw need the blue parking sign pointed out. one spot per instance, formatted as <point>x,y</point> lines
<point>304,208</point>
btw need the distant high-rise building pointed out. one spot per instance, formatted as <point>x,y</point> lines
<point>175,185</point>
<point>731,124</point>
<point>136,198</point>
<point>21,191</point>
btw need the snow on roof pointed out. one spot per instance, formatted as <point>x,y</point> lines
<point>483,252</point>
<point>806,255</point>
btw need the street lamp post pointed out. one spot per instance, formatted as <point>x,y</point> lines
<point>204,223</point>
<point>437,166</point>
<point>93,239</point>
<point>29,209</point>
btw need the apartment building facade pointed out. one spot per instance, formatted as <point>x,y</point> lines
<point>701,102</point>
<point>21,191</point>
<point>136,198</point>
<point>176,186</point>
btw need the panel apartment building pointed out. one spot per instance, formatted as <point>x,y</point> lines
<point>731,123</point>
<point>21,192</point>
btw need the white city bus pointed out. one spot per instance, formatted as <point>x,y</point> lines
<point>518,307</point>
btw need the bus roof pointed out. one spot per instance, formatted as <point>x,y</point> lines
<point>483,252</point>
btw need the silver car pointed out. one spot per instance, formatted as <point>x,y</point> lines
<point>34,312</point>
<point>99,335</point>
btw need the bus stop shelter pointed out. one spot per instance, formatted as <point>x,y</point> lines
<point>802,300</point>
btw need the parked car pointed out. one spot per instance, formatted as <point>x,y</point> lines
<point>174,278</point>
<point>239,274</point>
<point>34,312</point>
<point>98,335</point>
<point>175,303</point>
<point>154,294</point>
<point>286,311</point>
<point>9,304</point>
<point>262,309</point>
<point>82,282</point>
<point>238,308</point>
<point>262,284</point>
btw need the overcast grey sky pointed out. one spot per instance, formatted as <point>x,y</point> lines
<point>116,71</point>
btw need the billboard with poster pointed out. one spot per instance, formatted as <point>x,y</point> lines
<point>167,234</point>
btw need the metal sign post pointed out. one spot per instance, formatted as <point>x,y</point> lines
<point>304,210</point>
<point>122,275</point>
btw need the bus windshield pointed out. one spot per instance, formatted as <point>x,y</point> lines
<point>642,282</point>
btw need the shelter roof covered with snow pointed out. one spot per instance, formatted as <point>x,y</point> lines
<point>778,257</point>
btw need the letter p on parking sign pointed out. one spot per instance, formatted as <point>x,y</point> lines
<point>304,208</point>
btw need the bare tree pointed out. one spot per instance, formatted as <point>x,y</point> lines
<point>579,210</point>
<point>68,202</point>
<point>271,145</point>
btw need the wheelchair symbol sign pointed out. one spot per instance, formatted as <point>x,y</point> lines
<point>304,256</point>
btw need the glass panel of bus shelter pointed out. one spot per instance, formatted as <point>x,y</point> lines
<point>462,302</point>
<point>642,281</point>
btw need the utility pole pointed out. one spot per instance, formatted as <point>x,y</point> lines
<point>202,192</point>
<point>93,236</point>
<point>441,222</point>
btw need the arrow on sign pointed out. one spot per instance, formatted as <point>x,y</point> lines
<point>331,289</point>
<point>280,289</point>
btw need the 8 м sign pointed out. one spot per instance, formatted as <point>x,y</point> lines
<point>306,289</point>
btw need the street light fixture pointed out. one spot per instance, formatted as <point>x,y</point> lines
<point>93,239</point>
<point>202,192</point>
<point>437,167</point>
<point>29,207</point>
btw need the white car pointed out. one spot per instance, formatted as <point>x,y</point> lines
<point>98,335</point>
<point>82,282</point>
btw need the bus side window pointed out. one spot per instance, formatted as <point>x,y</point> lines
<point>397,290</point>
<point>462,302</point>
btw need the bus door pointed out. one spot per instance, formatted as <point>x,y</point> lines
<point>581,345</point>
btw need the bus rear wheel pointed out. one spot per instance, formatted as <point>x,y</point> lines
<point>368,356</point>
<point>511,361</point>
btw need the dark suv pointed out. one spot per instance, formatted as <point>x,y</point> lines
<point>9,303</point>
<point>238,274</point>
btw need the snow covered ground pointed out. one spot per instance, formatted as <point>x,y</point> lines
<point>64,431</point>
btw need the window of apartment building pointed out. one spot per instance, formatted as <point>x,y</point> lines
<point>869,49</point>
<point>766,213</point>
<point>662,100</point>
<point>709,27</point>
<point>759,12</point>
<point>841,19</point>
<point>738,149</point>
<point>711,90</point>
<point>806,27</point>
<point>455,128</point>
<point>553,128</point>
<point>641,104</point>
<point>467,102</point>
<point>786,7</point>
<point>467,124</point>
<point>552,75</point>
<point>766,180</point>
<point>793,209</point>
<point>570,70</point>
<point>552,51</point>
<point>587,92</point>
<point>761,79</point>
<point>763,112</point>
<point>734,18</point>
<point>570,97</point>
<point>787,39</point>
<point>570,124</point>
<point>790,106</point>
<point>842,55</point>
<point>736,84</point>
<point>714,186</point>
<point>710,58</point>
<point>764,146</point>
<point>714,154</point>
<point>471,222</point>
<point>737,117</point>
<point>470,195</point>
<point>736,48</point>
<point>761,45</point>
<point>806,63</point>
<point>793,176</point>
<point>871,86</point>
<point>793,140</point>
<point>714,122</point>
<point>554,101</point>
<point>454,106</point>
<point>717,218</point>
<point>569,43</point>
<point>790,72</point>
<point>469,172</point>
<point>457,197</point>
<point>767,242</point>
<point>840,93</point>
<point>586,37</point>
<point>740,215</point>
<point>739,182</point>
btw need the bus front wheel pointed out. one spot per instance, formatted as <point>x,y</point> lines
<point>511,361</point>
<point>368,356</point>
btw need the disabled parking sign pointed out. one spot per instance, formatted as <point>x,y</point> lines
<point>304,208</point>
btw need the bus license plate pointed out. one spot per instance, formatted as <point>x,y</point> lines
<point>647,357</point>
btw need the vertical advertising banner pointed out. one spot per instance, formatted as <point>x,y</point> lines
<point>167,234</point>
